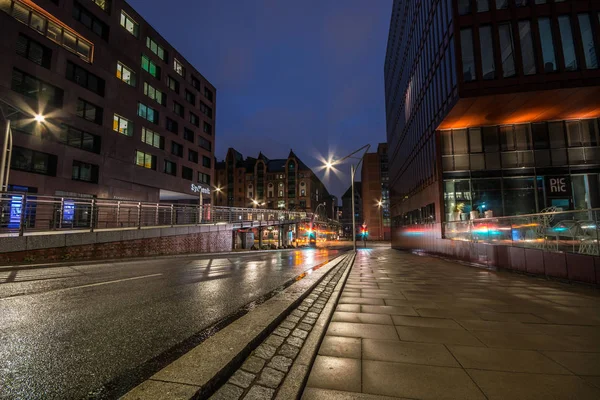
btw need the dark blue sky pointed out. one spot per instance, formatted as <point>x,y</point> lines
<point>304,75</point>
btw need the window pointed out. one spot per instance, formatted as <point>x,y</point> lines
<point>148,113</point>
<point>515,137</point>
<point>468,59</point>
<point>170,168</point>
<point>85,79</point>
<point>464,7</point>
<point>527,51</point>
<point>281,193</point>
<point>501,4</point>
<point>547,45</point>
<point>188,135</point>
<point>122,125</point>
<point>178,67</point>
<point>80,139</point>
<point>84,172</point>
<point>177,149</point>
<point>189,97</point>
<point>483,5</point>
<point>60,34</point>
<point>155,94</point>
<point>129,24</point>
<point>195,83</point>
<point>150,67</point>
<point>193,156</point>
<point>487,52</point>
<point>194,119</point>
<point>103,4</point>
<point>125,74</point>
<point>587,37</point>
<point>187,173</point>
<point>89,111</point>
<point>152,138</point>
<point>507,50</point>
<point>145,160</point>
<point>173,84</point>
<point>206,110</point>
<point>172,126</point>
<point>582,133</point>
<point>33,161</point>
<point>539,132</point>
<point>207,128</point>
<point>566,36</point>
<point>205,144</point>
<point>178,109</point>
<point>90,21</point>
<point>203,178</point>
<point>156,48</point>
<point>206,161</point>
<point>34,51</point>
<point>208,94</point>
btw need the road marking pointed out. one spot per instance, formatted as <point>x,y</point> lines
<point>82,286</point>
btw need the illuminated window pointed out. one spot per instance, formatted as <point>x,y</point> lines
<point>152,138</point>
<point>156,48</point>
<point>125,74</point>
<point>122,125</point>
<point>566,36</point>
<point>178,67</point>
<point>155,94</point>
<point>129,24</point>
<point>587,36</point>
<point>148,113</point>
<point>145,160</point>
<point>150,67</point>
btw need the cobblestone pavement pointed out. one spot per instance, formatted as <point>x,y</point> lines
<point>409,326</point>
<point>263,372</point>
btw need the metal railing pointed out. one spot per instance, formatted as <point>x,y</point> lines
<point>569,231</point>
<point>21,213</point>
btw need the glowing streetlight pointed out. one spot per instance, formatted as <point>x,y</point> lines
<point>39,118</point>
<point>330,163</point>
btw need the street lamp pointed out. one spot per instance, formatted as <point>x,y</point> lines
<point>329,164</point>
<point>7,145</point>
<point>380,205</point>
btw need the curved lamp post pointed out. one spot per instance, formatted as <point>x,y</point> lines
<point>353,168</point>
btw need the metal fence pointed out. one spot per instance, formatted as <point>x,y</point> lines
<point>21,213</point>
<point>569,231</point>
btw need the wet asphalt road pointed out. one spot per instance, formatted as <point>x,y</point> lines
<point>66,331</point>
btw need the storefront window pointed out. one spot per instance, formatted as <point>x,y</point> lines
<point>586,191</point>
<point>519,196</point>
<point>487,196</point>
<point>457,199</point>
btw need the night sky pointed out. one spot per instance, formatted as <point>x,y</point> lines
<point>304,75</point>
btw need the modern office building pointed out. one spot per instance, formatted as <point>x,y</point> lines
<point>488,105</point>
<point>285,183</point>
<point>346,220</point>
<point>375,193</point>
<point>126,115</point>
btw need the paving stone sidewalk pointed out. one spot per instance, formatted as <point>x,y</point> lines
<point>419,327</point>
<point>263,372</point>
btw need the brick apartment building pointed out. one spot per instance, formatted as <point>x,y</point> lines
<point>285,183</point>
<point>126,115</point>
<point>375,193</point>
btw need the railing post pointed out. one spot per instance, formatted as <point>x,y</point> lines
<point>139,216</point>
<point>92,211</point>
<point>22,216</point>
<point>172,214</point>
<point>118,224</point>
<point>156,215</point>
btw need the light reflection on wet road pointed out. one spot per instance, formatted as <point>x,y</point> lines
<point>66,331</point>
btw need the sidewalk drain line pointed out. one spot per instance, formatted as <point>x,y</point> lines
<point>264,371</point>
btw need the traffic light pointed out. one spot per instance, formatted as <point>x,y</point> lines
<point>364,232</point>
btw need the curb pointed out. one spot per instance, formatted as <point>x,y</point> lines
<point>295,381</point>
<point>202,370</point>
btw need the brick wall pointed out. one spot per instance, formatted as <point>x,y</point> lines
<point>204,242</point>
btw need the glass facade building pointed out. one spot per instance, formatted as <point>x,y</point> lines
<point>487,103</point>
